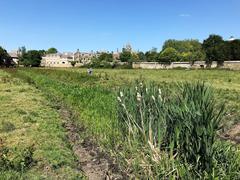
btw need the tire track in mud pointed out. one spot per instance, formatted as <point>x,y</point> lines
<point>95,164</point>
<point>232,134</point>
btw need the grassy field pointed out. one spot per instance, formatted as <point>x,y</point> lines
<point>94,100</point>
<point>32,140</point>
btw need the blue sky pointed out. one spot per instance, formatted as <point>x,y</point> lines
<point>109,24</point>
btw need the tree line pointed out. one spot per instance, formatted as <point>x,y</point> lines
<point>27,58</point>
<point>5,59</point>
<point>214,48</point>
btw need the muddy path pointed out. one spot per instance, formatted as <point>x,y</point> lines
<point>232,134</point>
<point>95,164</point>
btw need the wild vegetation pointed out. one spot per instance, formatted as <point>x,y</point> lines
<point>165,129</point>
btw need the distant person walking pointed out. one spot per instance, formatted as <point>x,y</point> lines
<point>90,71</point>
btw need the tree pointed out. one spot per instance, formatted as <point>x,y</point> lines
<point>107,57</point>
<point>215,49</point>
<point>104,60</point>
<point>42,52</point>
<point>179,46</point>
<point>152,55</point>
<point>168,55</point>
<point>22,50</point>
<point>134,57</point>
<point>52,51</point>
<point>5,59</point>
<point>141,56</point>
<point>234,49</point>
<point>187,50</point>
<point>126,56</point>
<point>32,58</point>
<point>73,63</point>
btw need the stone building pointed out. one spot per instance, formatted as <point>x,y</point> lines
<point>57,60</point>
<point>66,59</point>
<point>15,56</point>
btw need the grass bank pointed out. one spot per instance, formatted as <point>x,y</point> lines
<point>33,143</point>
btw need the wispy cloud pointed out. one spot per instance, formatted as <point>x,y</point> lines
<point>184,15</point>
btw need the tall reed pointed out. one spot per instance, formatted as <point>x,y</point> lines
<point>183,122</point>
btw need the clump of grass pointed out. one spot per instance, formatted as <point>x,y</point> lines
<point>16,160</point>
<point>28,119</point>
<point>7,126</point>
<point>21,111</point>
<point>179,125</point>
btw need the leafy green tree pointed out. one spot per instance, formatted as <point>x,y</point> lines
<point>141,56</point>
<point>42,52</point>
<point>31,59</point>
<point>215,49</point>
<point>179,46</point>
<point>152,55</point>
<point>52,51</point>
<point>168,55</point>
<point>126,56</point>
<point>233,48</point>
<point>107,57</point>
<point>104,60</point>
<point>5,59</point>
<point>135,57</point>
<point>188,50</point>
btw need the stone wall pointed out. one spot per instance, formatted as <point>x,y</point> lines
<point>234,65</point>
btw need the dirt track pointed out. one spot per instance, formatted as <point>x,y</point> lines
<point>95,164</point>
<point>233,134</point>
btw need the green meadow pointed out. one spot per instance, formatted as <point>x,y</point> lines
<point>94,101</point>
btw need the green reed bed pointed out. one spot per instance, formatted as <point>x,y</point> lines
<point>180,125</point>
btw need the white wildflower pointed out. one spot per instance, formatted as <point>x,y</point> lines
<point>136,88</point>
<point>141,85</point>
<point>147,90</point>
<point>153,98</point>
<point>119,99</point>
<point>139,96</point>
<point>160,97</point>
<point>121,94</point>
<point>159,91</point>
<point>123,105</point>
